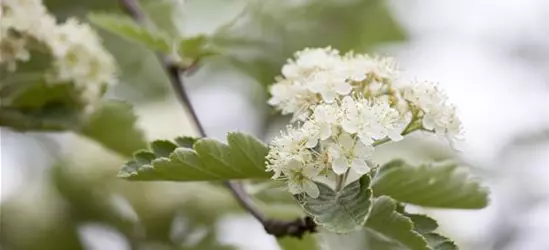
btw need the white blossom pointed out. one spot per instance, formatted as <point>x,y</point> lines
<point>438,114</point>
<point>293,98</point>
<point>329,85</point>
<point>75,49</point>
<point>344,107</point>
<point>350,153</point>
<point>309,60</point>
<point>371,120</point>
<point>300,178</point>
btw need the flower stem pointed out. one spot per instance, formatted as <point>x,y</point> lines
<point>278,228</point>
<point>340,180</point>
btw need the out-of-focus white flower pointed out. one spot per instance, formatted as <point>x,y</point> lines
<point>12,50</point>
<point>81,59</point>
<point>76,51</point>
<point>350,153</point>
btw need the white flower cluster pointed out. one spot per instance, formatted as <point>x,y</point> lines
<point>76,51</point>
<point>343,106</point>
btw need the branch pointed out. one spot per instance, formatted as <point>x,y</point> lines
<point>278,228</point>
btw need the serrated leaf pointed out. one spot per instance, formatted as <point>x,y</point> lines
<point>431,185</point>
<point>113,125</point>
<point>340,212</point>
<point>123,26</point>
<point>439,242</point>
<point>242,158</point>
<point>391,228</point>
<point>426,226</point>
<point>186,141</point>
<point>423,223</point>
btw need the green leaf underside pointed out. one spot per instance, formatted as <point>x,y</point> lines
<point>242,158</point>
<point>340,212</point>
<point>113,125</point>
<point>391,228</point>
<point>430,185</point>
<point>125,27</point>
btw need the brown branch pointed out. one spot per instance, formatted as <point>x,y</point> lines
<point>278,228</point>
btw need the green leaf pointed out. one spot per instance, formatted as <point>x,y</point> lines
<point>385,226</point>
<point>306,243</point>
<point>266,33</point>
<point>40,106</point>
<point>431,185</point>
<point>186,141</point>
<point>423,223</point>
<point>439,242</point>
<point>242,158</point>
<point>195,48</point>
<point>340,212</point>
<point>426,226</point>
<point>113,125</point>
<point>125,27</point>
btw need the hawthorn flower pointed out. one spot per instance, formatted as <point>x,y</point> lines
<point>371,120</point>
<point>77,56</point>
<point>310,60</point>
<point>300,178</point>
<point>438,115</point>
<point>350,153</point>
<point>344,106</point>
<point>329,85</point>
<point>293,98</point>
<point>81,59</point>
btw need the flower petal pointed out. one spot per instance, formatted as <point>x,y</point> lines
<point>343,88</point>
<point>328,96</point>
<point>311,188</point>
<point>339,165</point>
<point>360,166</point>
<point>349,126</point>
<point>311,143</point>
<point>294,187</point>
<point>346,141</point>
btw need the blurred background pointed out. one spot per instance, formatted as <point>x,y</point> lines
<point>59,191</point>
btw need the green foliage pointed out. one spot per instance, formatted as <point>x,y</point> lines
<point>242,158</point>
<point>113,125</point>
<point>195,48</point>
<point>426,227</point>
<point>123,26</point>
<point>40,106</point>
<point>308,242</point>
<point>260,39</point>
<point>388,229</point>
<point>341,212</point>
<point>431,185</point>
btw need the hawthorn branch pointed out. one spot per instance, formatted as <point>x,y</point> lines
<point>278,228</point>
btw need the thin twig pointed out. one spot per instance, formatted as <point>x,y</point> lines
<point>278,228</point>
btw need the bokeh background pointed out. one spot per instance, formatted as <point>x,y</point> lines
<point>59,191</point>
